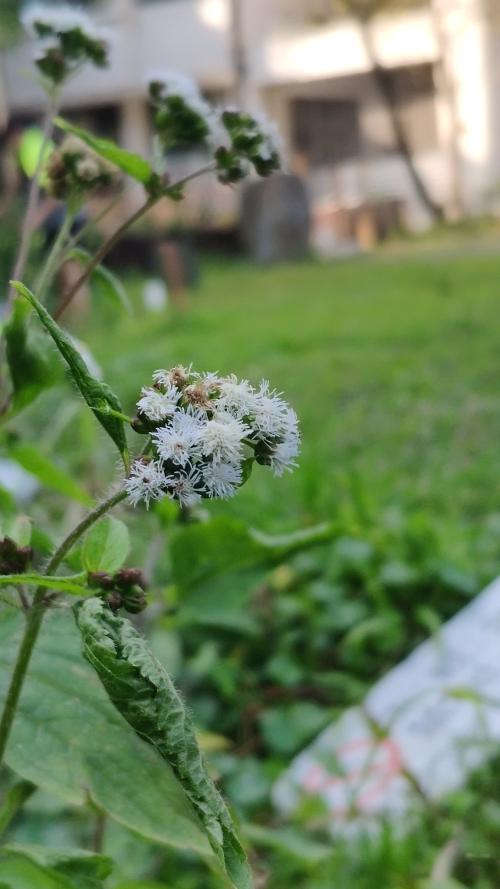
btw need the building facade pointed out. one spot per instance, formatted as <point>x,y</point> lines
<point>314,74</point>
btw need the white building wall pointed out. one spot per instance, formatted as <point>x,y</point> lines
<point>287,51</point>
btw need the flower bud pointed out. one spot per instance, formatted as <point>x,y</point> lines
<point>100,580</point>
<point>134,600</point>
<point>14,559</point>
<point>114,600</point>
<point>127,578</point>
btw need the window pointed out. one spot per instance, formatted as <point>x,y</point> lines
<point>326,131</point>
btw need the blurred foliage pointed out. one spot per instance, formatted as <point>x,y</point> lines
<point>393,369</point>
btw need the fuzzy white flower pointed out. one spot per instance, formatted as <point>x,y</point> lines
<point>222,438</point>
<point>180,440</point>
<point>237,397</point>
<point>185,487</point>
<point>88,169</point>
<point>157,406</point>
<point>145,482</point>
<point>56,16</point>
<point>285,452</point>
<point>176,376</point>
<point>272,141</point>
<point>177,84</point>
<point>222,479</point>
<point>270,413</point>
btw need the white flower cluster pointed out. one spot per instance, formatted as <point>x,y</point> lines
<point>53,17</point>
<point>66,38</point>
<point>237,140</point>
<point>206,432</point>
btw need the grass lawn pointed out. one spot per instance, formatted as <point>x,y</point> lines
<point>392,364</point>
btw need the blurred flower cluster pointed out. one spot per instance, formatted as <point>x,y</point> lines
<point>206,432</point>
<point>74,169</point>
<point>66,40</point>
<point>237,140</point>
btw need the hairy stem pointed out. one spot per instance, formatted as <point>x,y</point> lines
<point>115,237</point>
<point>53,260</point>
<point>34,194</point>
<point>36,614</point>
<point>99,256</point>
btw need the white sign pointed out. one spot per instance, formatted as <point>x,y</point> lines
<point>421,729</point>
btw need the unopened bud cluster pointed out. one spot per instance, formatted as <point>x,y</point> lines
<point>14,559</point>
<point>237,140</point>
<point>74,169</point>
<point>66,39</point>
<point>124,589</point>
<point>207,430</point>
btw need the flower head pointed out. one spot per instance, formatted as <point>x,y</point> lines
<point>182,118</point>
<point>145,482</point>
<point>74,169</point>
<point>206,430</point>
<point>67,38</point>
<point>157,405</point>
<point>186,487</point>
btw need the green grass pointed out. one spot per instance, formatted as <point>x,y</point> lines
<point>392,364</point>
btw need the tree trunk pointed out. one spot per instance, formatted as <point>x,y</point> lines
<point>385,88</point>
<point>448,91</point>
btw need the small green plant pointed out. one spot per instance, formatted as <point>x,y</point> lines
<point>202,433</point>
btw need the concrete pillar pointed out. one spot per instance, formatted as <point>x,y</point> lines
<point>466,125</point>
<point>135,131</point>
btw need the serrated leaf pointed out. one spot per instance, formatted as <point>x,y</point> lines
<point>68,739</point>
<point>106,546</point>
<point>48,582</point>
<point>132,164</point>
<point>97,394</point>
<point>107,283</point>
<point>50,475</point>
<point>142,691</point>
<point>31,366</point>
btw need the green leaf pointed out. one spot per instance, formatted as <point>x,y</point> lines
<point>42,868</point>
<point>142,691</point>
<point>207,549</point>
<point>31,363</point>
<point>18,529</point>
<point>218,564</point>
<point>106,546</point>
<point>51,475</point>
<point>287,728</point>
<point>97,394</point>
<point>289,841</point>
<point>105,282</point>
<point>69,740</point>
<point>62,584</point>
<point>132,164</point>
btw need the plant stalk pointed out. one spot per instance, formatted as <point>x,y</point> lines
<point>34,194</point>
<point>100,254</point>
<point>36,614</point>
<point>53,260</point>
<point>115,237</point>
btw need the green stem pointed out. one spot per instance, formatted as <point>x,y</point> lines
<point>14,800</point>
<point>53,260</point>
<point>101,253</point>
<point>34,194</point>
<point>115,237</point>
<point>36,614</point>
